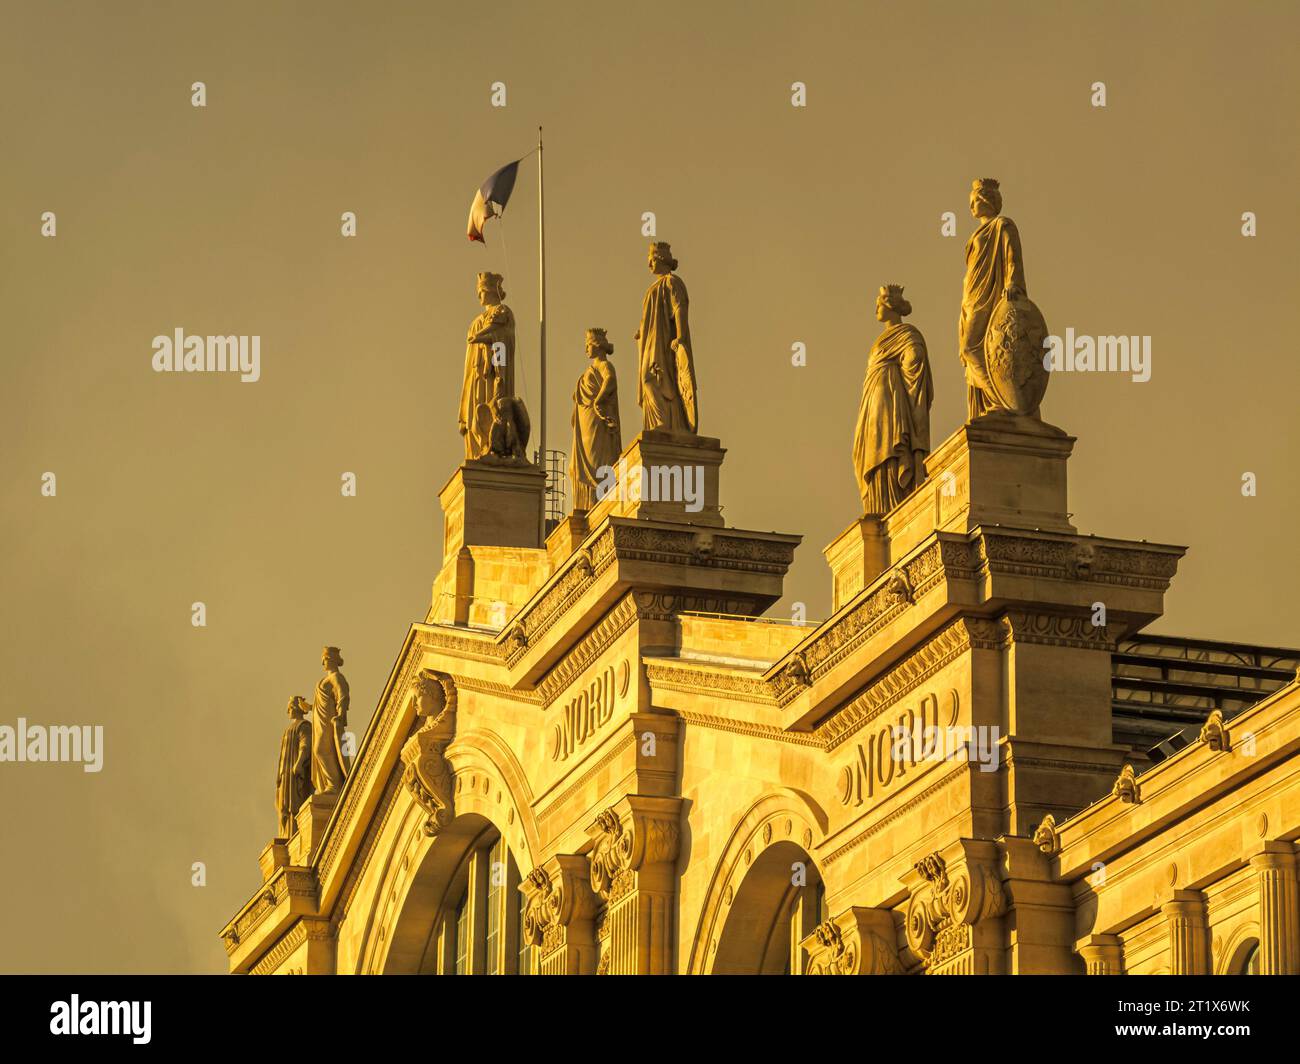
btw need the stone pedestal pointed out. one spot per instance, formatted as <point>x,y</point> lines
<point>999,470</point>
<point>312,818</point>
<point>665,476</point>
<point>273,858</point>
<point>489,505</point>
<point>565,538</point>
<point>856,557</point>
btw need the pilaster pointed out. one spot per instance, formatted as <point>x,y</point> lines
<point>633,869</point>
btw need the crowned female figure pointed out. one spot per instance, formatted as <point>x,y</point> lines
<point>597,436</point>
<point>489,368</point>
<point>893,431</point>
<point>329,713</point>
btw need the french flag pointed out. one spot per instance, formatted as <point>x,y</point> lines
<point>491,199</point>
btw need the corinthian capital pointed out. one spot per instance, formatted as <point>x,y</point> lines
<point>634,834</point>
<point>950,897</point>
<point>557,893</point>
<point>860,941</point>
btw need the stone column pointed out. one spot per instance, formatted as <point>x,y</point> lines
<point>860,941</point>
<point>1103,954</point>
<point>634,870</point>
<point>1188,933</point>
<point>1279,928</point>
<point>559,918</point>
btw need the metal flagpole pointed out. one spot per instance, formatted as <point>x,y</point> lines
<point>541,346</point>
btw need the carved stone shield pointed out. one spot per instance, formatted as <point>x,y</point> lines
<point>1013,355</point>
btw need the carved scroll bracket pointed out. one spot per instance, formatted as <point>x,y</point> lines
<point>426,772</point>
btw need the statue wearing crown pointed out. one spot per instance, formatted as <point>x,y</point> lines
<point>1000,332</point>
<point>597,436</point>
<point>893,430</point>
<point>489,366</point>
<point>666,386</point>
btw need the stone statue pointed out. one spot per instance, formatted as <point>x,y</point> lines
<point>508,437</point>
<point>893,432</point>
<point>329,720</point>
<point>1000,331</point>
<point>597,435</point>
<point>666,392</point>
<point>293,782</point>
<point>488,375</point>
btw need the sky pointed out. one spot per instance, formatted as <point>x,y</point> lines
<point>173,489</point>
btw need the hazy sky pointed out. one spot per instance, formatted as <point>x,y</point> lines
<point>180,488</point>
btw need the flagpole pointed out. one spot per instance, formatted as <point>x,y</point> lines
<point>541,346</point>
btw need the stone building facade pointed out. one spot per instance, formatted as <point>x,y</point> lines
<point>597,755</point>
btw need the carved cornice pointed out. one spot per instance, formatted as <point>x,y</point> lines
<point>1076,559</point>
<point>943,648</point>
<point>288,881</point>
<point>1058,629</point>
<point>289,941</point>
<point>888,600</point>
<point>304,930</point>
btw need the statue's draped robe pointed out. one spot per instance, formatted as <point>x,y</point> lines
<point>595,443</point>
<point>994,263</point>
<point>659,393</point>
<point>293,783</point>
<point>484,380</point>
<point>329,716</point>
<point>893,431</point>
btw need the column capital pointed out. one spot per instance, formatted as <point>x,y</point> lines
<point>860,941</point>
<point>633,834</point>
<point>1102,954</point>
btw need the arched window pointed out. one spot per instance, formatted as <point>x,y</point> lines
<point>780,902</point>
<point>1250,964</point>
<point>479,933</point>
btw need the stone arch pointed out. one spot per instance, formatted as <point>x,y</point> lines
<point>490,795</point>
<point>780,828</point>
<point>1237,948</point>
<point>491,782</point>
